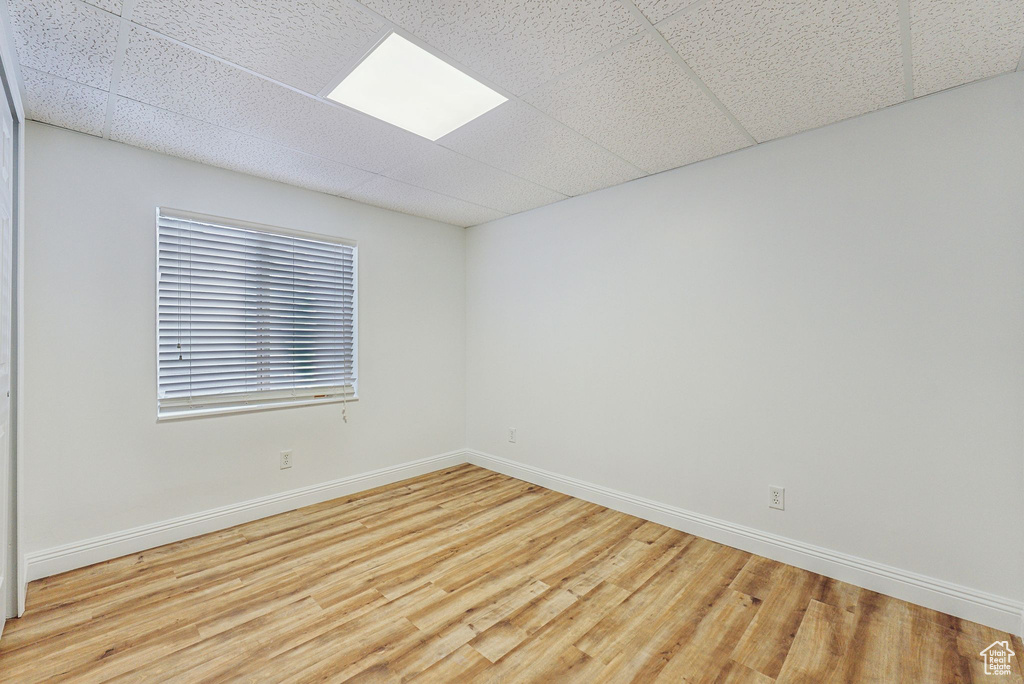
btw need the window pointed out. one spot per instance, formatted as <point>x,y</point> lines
<point>250,316</point>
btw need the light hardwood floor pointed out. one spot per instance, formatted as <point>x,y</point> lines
<point>468,575</point>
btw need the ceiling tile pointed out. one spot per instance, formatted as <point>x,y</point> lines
<point>155,129</point>
<point>656,10</point>
<point>784,66</point>
<point>304,43</point>
<point>397,196</point>
<point>958,41</point>
<point>64,103</point>
<point>518,44</point>
<point>517,138</point>
<point>66,38</point>
<point>112,6</point>
<point>171,76</point>
<point>450,173</point>
<point>637,102</point>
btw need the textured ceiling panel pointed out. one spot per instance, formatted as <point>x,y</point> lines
<point>518,44</point>
<point>304,43</point>
<point>783,66</point>
<point>656,10</point>
<point>517,138</point>
<point>112,6</point>
<point>66,38</point>
<point>637,102</point>
<point>603,101</point>
<point>64,103</point>
<point>171,76</point>
<point>450,173</point>
<point>956,41</point>
<point>162,131</point>
<point>408,199</point>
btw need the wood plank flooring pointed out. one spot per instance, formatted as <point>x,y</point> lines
<point>468,575</point>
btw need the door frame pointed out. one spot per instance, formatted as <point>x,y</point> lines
<point>10,79</point>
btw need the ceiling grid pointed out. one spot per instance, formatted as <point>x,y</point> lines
<point>908,49</point>
<point>686,67</point>
<point>115,78</point>
<point>600,91</point>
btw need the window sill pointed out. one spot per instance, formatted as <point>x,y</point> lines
<point>249,408</point>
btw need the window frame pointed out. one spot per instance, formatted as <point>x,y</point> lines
<point>264,403</point>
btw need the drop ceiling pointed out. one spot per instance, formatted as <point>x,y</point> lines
<point>600,91</point>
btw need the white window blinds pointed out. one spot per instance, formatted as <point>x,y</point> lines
<point>248,316</point>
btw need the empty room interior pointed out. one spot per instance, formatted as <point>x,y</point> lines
<point>512,341</point>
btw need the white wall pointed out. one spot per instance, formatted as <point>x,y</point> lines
<point>96,461</point>
<point>840,313</point>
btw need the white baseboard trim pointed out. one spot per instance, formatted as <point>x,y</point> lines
<point>22,583</point>
<point>963,602</point>
<point>98,549</point>
<point>3,613</point>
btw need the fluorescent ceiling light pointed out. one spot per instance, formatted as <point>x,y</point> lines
<point>405,85</point>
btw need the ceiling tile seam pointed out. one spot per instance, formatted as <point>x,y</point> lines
<point>112,93</point>
<point>407,213</point>
<point>22,68</point>
<point>98,136</point>
<point>380,206</point>
<point>838,122</point>
<point>571,72</point>
<point>908,50</point>
<point>679,12</point>
<point>210,55</point>
<point>398,167</point>
<point>389,28</point>
<point>384,174</point>
<point>417,41</point>
<point>353,62</point>
<point>115,75</point>
<point>572,130</point>
<point>315,156</point>
<point>373,176</point>
<point>501,90</point>
<point>587,62</point>
<point>629,5</point>
<point>557,122</point>
<point>97,8</point>
<point>322,100</point>
<point>71,81</point>
<point>249,135</point>
<point>433,192</point>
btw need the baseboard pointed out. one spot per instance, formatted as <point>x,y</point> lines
<point>963,602</point>
<point>970,604</point>
<point>22,578</point>
<point>98,549</point>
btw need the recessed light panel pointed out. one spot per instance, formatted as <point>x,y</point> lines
<point>403,84</point>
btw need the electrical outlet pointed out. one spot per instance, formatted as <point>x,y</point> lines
<point>777,498</point>
<point>286,459</point>
<point>512,435</point>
